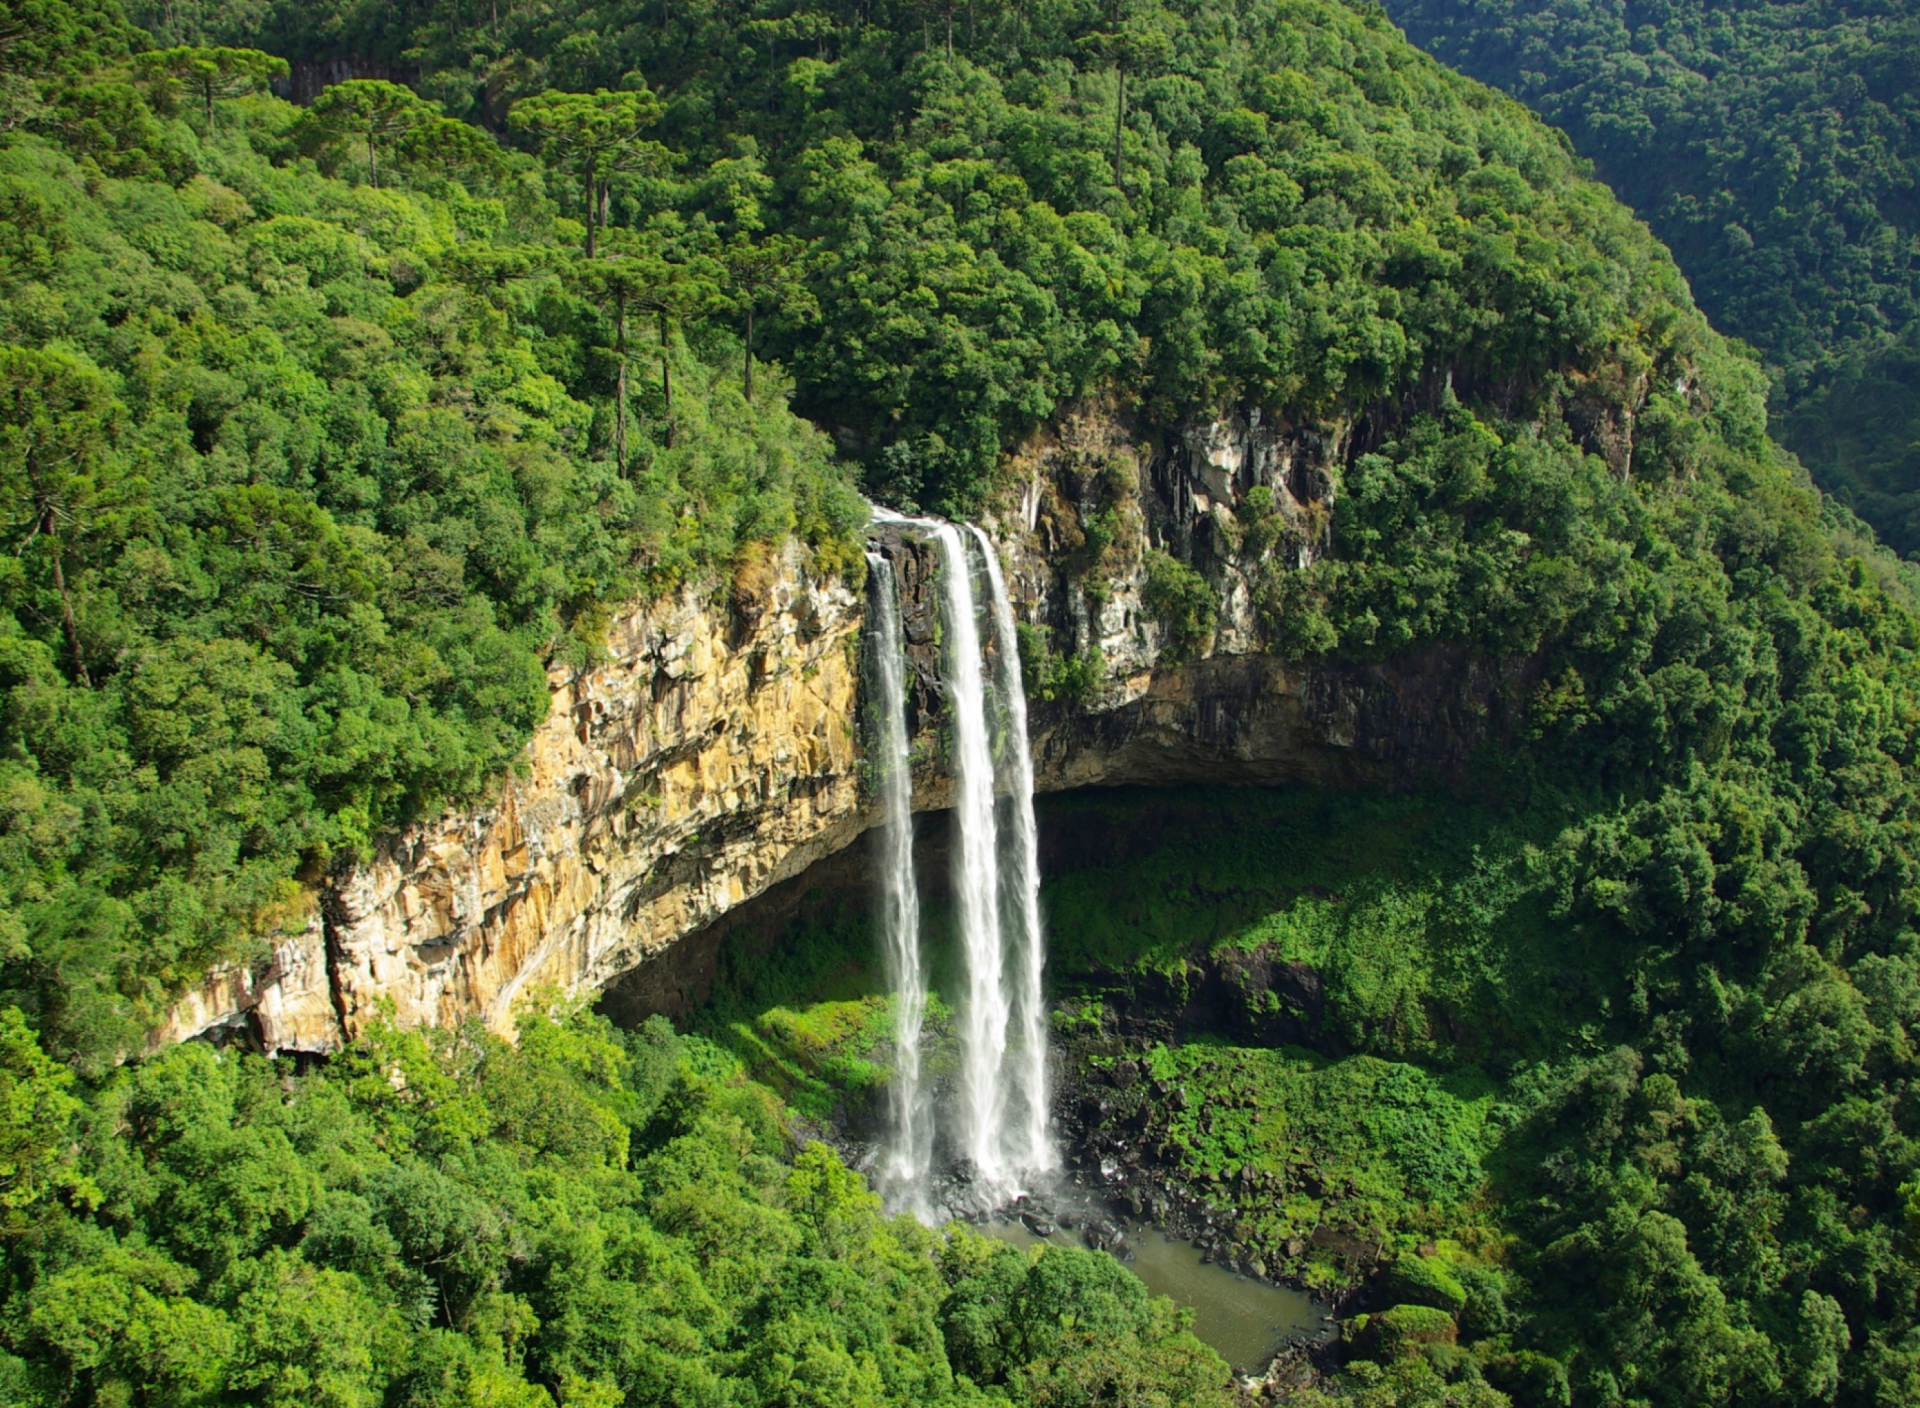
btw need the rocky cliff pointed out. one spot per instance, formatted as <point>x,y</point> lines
<point>715,752</point>
<point>711,754</point>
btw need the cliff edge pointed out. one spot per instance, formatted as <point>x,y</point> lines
<point>716,750</point>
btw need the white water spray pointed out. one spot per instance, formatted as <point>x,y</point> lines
<point>984,1010</point>
<point>1029,1140</point>
<point>908,1158</point>
<point>1000,1097</point>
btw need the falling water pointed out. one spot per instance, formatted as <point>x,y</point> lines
<point>1030,1145</point>
<point>983,1009</point>
<point>908,1156</point>
<point>1000,1091</point>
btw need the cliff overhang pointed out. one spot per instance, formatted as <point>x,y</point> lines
<point>715,751</point>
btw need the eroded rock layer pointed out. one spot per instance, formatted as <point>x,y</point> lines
<point>716,751</point>
<point>709,756</point>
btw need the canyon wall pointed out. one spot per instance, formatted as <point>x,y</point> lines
<point>711,754</point>
<point>715,752</point>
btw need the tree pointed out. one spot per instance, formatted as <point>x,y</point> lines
<point>831,1202</point>
<point>766,272</point>
<point>36,1115</point>
<point>674,292</point>
<point>493,268</point>
<point>212,72</point>
<point>57,423</point>
<point>1135,41</point>
<point>600,133</point>
<point>379,112</point>
<point>631,277</point>
<point>63,36</point>
<point>615,281</point>
<point>462,151</point>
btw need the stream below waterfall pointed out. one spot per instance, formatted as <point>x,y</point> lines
<point>1247,1321</point>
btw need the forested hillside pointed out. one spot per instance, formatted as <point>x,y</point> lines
<point>456,1222</point>
<point>306,478</point>
<point>325,429</point>
<point>1775,147</point>
<point>1000,207</point>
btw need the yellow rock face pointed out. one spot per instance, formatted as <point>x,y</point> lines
<point>705,760</point>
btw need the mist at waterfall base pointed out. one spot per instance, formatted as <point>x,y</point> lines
<point>992,1121</point>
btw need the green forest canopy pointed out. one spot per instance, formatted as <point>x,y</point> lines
<point>323,434</point>
<point>1193,204</point>
<point>450,1221</point>
<point>1775,147</point>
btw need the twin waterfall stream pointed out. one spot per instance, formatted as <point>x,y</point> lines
<point>994,1121</point>
<point>967,1132</point>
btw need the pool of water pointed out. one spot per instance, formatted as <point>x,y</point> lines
<point>1246,1320</point>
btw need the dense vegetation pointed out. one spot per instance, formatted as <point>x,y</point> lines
<point>1388,1042</point>
<point>325,428</point>
<point>456,1222</point>
<point>1000,207</point>
<point>305,480</point>
<point>1775,146</point>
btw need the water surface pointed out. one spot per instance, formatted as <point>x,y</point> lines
<point>1246,1320</point>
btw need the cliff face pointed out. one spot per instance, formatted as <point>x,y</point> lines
<point>708,757</point>
<point>1128,698</point>
<point>716,751</point>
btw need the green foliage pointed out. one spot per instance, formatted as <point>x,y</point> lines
<point>1183,602</point>
<point>1055,678</point>
<point>1858,428</point>
<point>36,1120</point>
<point>1066,1328</point>
<point>1775,147</point>
<point>1183,205</point>
<point>450,1219</point>
<point>367,110</point>
<point>304,481</point>
<point>65,37</point>
<point>1643,1081</point>
<point>210,73</point>
<point>1380,1139</point>
<point>599,134</point>
<point>1404,1330</point>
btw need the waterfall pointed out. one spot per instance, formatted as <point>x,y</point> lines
<point>976,882</point>
<point>1000,1097</point>
<point>908,1157</point>
<point>1030,1141</point>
